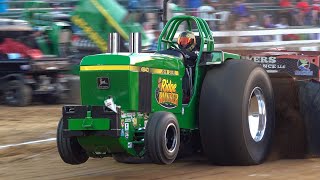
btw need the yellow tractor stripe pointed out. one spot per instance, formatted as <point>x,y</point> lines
<point>110,19</point>
<point>129,68</point>
<point>102,68</point>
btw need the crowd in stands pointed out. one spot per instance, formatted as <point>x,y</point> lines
<point>223,15</point>
<point>249,14</point>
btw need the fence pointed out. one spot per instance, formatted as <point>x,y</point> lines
<point>276,38</point>
<point>276,34</point>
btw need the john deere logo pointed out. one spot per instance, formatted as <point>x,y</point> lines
<point>103,82</point>
<point>166,93</point>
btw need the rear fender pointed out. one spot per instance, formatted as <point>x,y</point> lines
<point>216,57</point>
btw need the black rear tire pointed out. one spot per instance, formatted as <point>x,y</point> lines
<point>162,138</point>
<point>223,113</point>
<point>69,149</point>
<point>17,94</point>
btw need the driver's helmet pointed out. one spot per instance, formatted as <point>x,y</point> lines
<point>187,40</point>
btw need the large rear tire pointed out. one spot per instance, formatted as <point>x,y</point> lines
<point>236,113</point>
<point>69,149</point>
<point>17,93</point>
<point>162,138</point>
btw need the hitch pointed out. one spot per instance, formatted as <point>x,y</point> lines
<point>88,121</point>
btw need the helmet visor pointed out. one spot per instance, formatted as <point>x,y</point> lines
<point>185,41</point>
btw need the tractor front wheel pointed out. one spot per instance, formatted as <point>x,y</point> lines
<point>162,138</point>
<point>69,149</point>
<point>236,113</point>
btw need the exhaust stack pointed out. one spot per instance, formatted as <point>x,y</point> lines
<point>113,43</point>
<point>135,45</point>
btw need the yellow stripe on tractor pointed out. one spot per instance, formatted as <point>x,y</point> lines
<point>129,68</point>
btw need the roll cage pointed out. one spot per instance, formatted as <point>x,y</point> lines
<point>166,38</point>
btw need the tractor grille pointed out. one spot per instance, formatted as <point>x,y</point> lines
<point>145,86</point>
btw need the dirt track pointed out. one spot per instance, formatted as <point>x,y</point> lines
<point>41,161</point>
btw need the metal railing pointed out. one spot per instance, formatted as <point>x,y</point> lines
<point>276,40</point>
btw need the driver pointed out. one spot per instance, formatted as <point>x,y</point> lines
<point>187,43</point>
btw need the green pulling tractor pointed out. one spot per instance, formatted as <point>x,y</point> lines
<point>142,106</point>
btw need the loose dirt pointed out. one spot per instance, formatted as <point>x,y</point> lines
<point>41,161</point>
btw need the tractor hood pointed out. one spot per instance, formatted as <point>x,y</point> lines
<point>141,59</point>
<point>130,79</point>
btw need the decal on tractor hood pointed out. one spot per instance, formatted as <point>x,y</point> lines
<point>166,93</point>
<point>103,83</point>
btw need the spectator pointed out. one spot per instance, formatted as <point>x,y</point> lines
<point>283,23</point>
<point>315,12</point>
<point>206,12</point>
<point>194,4</point>
<point>242,24</point>
<point>3,6</point>
<point>133,4</point>
<point>285,3</point>
<point>253,22</point>
<point>267,21</point>
<point>154,44</point>
<point>133,14</point>
<point>216,4</point>
<point>239,9</point>
<point>303,10</point>
<point>287,10</point>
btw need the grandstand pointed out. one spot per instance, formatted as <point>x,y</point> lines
<point>223,18</point>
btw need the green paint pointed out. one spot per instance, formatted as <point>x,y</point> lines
<point>218,57</point>
<point>110,145</point>
<point>123,88</point>
<point>104,59</point>
<point>166,89</point>
<point>89,124</point>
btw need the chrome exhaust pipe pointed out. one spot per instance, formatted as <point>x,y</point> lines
<point>113,43</point>
<point>135,44</point>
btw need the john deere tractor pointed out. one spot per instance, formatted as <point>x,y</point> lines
<point>142,106</point>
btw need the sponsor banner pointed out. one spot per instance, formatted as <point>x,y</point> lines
<point>297,66</point>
